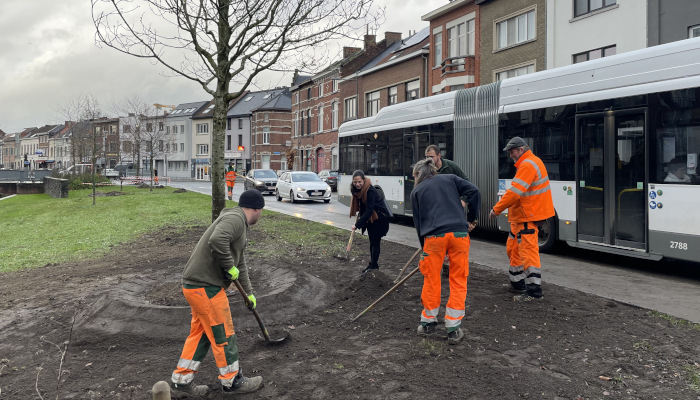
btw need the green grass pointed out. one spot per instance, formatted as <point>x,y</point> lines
<point>37,229</point>
<point>675,321</point>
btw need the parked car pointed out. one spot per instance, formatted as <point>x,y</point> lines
<point>265,180</point>
<point>125,169</point>
<point>330,177</point>
<point>302,185</point>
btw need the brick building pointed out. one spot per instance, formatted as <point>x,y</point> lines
<point>106,132</point>
<point>271,131</point>
<point>454,46</point>
<point>513,38</point>
<point>318,105</point>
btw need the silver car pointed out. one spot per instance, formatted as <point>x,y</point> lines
<point>302,185</point>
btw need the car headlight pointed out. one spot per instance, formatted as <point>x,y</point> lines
<point>300,189</point>
<point>328,188</point>
<point>259,183</point>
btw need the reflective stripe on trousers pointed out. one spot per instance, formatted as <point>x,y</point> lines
<point>456,245</point>
<point>211,327</point>
<point>524,254</point>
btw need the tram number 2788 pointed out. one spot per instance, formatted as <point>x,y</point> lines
<point>679,245</point>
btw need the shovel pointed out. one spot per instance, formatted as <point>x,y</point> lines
<point>352,236</point>
<point>257,316</point>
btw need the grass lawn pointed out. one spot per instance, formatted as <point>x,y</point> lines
<point>37,229</point>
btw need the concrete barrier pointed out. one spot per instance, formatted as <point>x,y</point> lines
<point>56,187</point>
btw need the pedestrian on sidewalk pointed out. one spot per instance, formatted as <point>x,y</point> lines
<point>374,215</point>
<point>529,201</point>
<point>445,166</point>
<point>442,229</point>
<point>217,260</point>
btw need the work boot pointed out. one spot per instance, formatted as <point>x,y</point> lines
<point>369,268</point>
<point>243,385</point>
<point>427,329</point>
<point>514,288</point>
<point>455,336</point>
<point>185,391</point>
<point>526,297</point>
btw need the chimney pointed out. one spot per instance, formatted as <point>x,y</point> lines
<point>392,37</point>
<point>370,41</point>
<point>348,51</point>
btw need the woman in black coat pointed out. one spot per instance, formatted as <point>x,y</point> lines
<point>374,216</point>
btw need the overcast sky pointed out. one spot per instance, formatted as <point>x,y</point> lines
<point>48,57</point>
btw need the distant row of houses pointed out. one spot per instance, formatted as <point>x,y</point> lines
<point>467,43</point>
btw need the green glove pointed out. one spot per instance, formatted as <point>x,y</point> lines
<point>233,272</point>
<point>252,302</point>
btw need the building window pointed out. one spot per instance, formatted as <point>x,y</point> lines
<point>202,149</point>
<point>267,117</point>
<point>182,129</point>
<point>412,90</point>
<point>518,29</point>
<point>182,147</point>
<point>513,72</point>
<point>301,123</point>
<point>308,121</point>
<point>127,128</point>
<point>585,6</point>
<point>202,128</point>
<point>593,54</point>
<point>240,123</point>
<point>438,51</point>
<point>160,126</point>
<point>320,118</point>
<point>228,142</point>
<point>174,128</point>
<point>320,90</point>
<point>694,31</point>
<point>334,112</point>
<point>351,108</point>
<point>308,94</point>
<point>372,104</point>
<point>240,140</point>
<point>266,135</point>
<point>393,95</point>
<point>228,124</point>
<point>335,85</point>
<point>460,39</point>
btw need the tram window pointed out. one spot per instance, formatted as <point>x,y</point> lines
<point>675,150</point>
<point>550,133</point>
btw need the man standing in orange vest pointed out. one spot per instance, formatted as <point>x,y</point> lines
<point>230,179</point>
<point>529,202</point>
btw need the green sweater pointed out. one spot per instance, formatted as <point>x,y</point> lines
<point>450,167</point>
<point>220,248</point>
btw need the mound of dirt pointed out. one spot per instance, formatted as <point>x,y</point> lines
<point>111,328</point>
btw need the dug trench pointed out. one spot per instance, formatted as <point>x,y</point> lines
<point>112,327</point>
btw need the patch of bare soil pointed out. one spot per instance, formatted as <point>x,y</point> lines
<point>113,327</point>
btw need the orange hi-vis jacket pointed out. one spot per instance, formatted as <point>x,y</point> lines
<point>230,178</point>
<point>529,197</point>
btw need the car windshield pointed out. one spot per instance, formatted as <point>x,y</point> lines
<point>305,178</point>
<point>333,173</point>
<point>265,173</point>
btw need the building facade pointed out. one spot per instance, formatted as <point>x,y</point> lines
<point>272,132</point>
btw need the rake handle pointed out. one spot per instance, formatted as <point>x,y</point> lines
<point>386,294</point>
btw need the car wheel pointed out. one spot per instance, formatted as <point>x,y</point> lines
<point>291,196</point>
<point>327,201</point>
<point>277,193</point>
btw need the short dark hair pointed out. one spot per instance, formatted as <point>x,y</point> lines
<point>434,148</point>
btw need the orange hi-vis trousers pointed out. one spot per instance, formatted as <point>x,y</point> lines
<point>211,327</point>
<point>524,254</point>
<point>456,245</point>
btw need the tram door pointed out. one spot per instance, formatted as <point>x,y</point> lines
<point>611,174</point>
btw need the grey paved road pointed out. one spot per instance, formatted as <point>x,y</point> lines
<point>671,287</point>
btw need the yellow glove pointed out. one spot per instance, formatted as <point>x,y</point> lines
<point>233,272</point>
<point>252,302</point>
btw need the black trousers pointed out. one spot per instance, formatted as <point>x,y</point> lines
<point>376,230</point>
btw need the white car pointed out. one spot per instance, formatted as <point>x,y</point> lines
<point>302,185</point>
